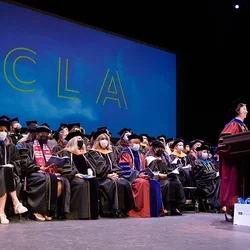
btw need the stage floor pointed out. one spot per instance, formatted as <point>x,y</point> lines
<point>191,231</point>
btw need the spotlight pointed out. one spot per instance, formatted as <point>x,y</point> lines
<point>236,6</point>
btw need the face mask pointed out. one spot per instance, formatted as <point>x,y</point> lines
<point>80,143</point>
<point>3,135</point>
<point>204,156</point>
<point>159,153</point>
<point>136,147</point>
<point>104,143</point>
<point>43,139</point>
<point>125,138</point>
<point>17,130</point>
<point>180,148</point>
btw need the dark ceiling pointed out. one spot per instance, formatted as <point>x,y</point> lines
<point>210,37</point>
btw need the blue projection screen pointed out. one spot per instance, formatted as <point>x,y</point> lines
<point>55,71</point>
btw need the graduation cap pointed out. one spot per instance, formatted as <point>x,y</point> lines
<point>170,140</point>
<point>105,128</point>
<point>74,134</point>
<point>46,125</point>
<point>157,144</point>
<point>14,120</point>
<point>100,131</point>
<point>176,141</point>
<point>61,127</point>
<point>162,136</point>
<point>203,147</point>
<point>151,138</point>
<point>73,125</point>
<point>145,135</point>
<point>40,129</point>
<point>5,123</point>
<point>124,130</point>
<point>196,141</point>
<point>31,122</point>
<point>135,136</point>
<point>4,117</point>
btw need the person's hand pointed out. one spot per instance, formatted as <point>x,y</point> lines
<point>113,176</point>
<point>163,176</point>
<point>79,175</point>
<point>46,169</point>
<point>217,174</point>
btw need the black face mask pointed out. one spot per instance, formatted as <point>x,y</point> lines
<point>80,144</point>
<point>43,139</point>
<point>159,152</point>
<point>17,130</point>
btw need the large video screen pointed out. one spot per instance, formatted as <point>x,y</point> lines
<point>56,71</point>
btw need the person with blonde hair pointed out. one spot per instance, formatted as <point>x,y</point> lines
<point>83,183</point>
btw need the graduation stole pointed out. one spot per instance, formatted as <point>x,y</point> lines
<point>41,155</point>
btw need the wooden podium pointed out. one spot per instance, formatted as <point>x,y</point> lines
<point>240,151</point>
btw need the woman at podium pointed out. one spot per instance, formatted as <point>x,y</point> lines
<point>228,169</point>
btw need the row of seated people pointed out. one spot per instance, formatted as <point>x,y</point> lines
<point>91,183</point>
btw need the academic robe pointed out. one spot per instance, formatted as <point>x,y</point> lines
<point>116,196</point>
<point>171,188</point>
<point>229,186</point>
<point>147,193</point>
<point>41,188</point>
<point>185,175</point>
<point>9,177</point>
<point>84,192</point>
<point>207,180</point>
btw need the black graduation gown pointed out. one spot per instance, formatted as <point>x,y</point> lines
<point>41,188</point>
<point>205,176</point>
<point>84,192</point>
<point>171,187</point>
<point>9,177</point>
<point>116,196</point>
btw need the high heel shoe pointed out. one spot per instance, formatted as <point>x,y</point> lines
<point>3,219</point>
<point>48,218</point>
<point>20,209</point>
<point>228,219</point>
<point>39,217</point>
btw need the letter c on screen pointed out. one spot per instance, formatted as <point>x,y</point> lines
<point>6,60</point>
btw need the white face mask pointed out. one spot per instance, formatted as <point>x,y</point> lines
<point>180,148</point>
<point>204,156</point>
<point>3,135</point>
<point>104,143</point>
<point>135,147</point>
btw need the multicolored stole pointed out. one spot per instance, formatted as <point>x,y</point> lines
<point>41,155</point>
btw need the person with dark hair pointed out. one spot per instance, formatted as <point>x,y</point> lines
<point>228,167</point>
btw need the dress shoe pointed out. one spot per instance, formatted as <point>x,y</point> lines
<point>20,209</point>
<point>3,219</point>
<point>228,217</point>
